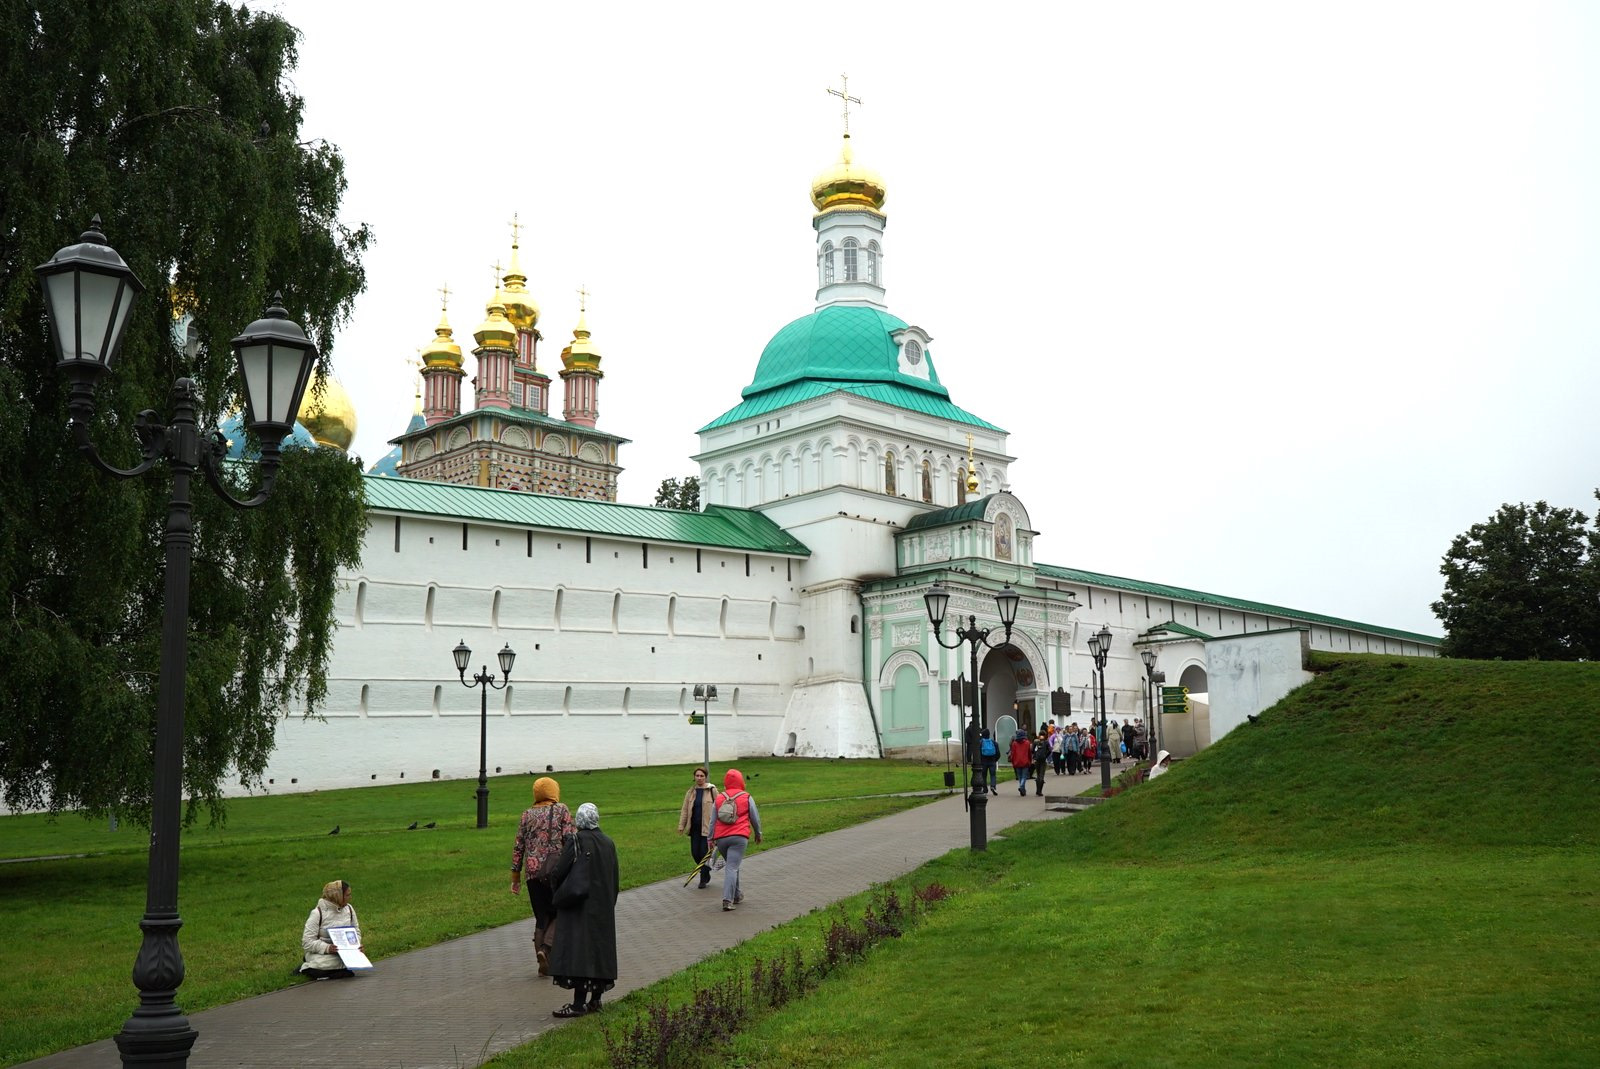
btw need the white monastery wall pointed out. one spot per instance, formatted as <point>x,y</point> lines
<point>610,634</point>
<point>1251,673</point>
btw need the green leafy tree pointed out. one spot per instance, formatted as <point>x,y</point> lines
<point>673,494</point>
<point>172,120</point>
<point>1523,585</point>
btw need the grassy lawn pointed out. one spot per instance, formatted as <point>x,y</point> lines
<point>246,887</point>
<point>1399,866</point>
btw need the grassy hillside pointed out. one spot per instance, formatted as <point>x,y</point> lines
<point>1397,866</point>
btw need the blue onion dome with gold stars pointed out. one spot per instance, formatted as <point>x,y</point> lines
<point>388,465</point>
<point>233,432</point>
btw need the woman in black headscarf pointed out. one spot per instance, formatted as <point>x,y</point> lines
<point>585,957</point>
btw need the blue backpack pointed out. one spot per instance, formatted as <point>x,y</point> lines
<point>988,749</point>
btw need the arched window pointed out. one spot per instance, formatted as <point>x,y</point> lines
<point>825,259</point>
<point>872,263</point>
<point>888,474</point>
<point>927,481</point>
<point>850,247</point>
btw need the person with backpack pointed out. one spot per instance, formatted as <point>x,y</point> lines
<point>990,753</point>
<point>1021,760</point>
<point>734,822</point>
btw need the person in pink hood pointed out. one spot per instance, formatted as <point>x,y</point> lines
<point>733,823</point>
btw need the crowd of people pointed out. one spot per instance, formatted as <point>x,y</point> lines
<point>1065,750</point>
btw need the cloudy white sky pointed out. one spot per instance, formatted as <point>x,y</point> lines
<point>1273,298</point>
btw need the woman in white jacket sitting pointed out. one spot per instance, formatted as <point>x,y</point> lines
<point>322,960</point>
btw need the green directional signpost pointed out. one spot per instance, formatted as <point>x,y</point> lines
<point>1174,699</point>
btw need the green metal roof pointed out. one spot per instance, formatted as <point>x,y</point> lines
<point>842,342</point>
<point>886,393</point>
<point>892,394</point>
<point>971,510</point>
<point>718,526</point>
<point>1135,586</point>
<point>515,415</point>
<point>1182,629</point>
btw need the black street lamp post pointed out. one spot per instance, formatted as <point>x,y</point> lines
<point>1099,649</point>
<point>1148,656</point>
<point>705,694</point>
<point>1157,678</point>
<point>938,601</point>
<point>484,680</point>
<point>89,291</point>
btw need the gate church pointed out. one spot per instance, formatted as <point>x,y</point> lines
<point>839,488</point>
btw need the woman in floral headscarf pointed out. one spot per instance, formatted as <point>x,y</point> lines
<point>545,828</point>
<point>585,961</point>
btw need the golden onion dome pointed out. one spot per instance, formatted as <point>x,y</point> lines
<point>443,350</point>
<point>848,185</point>
<point>580,354</point>
<point>521,309</point>
<point>330,417</point>
<point>496,331</point>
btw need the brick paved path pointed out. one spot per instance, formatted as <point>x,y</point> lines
<point>454,1004</point>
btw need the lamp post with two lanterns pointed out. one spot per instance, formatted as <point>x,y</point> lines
<point>1100,649</point>
<point>1148,656</point>
<point>484,680</point>
<point>938,601</point>
<point>89,293</point>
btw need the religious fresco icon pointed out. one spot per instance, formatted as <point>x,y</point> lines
<point>1002,536</point>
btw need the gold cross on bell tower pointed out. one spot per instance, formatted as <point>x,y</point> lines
<point>844,95</point>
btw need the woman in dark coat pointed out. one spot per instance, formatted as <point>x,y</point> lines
<point>585,957</point>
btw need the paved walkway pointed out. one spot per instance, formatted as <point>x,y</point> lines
<point>452,1005</point>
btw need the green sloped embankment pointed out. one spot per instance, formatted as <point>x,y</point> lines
<point>1397,866</point>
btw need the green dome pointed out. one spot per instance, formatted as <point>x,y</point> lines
<point>842,343</point>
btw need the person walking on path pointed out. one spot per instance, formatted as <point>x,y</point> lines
<point>321,960</point>
<point>1021,760</point>
<point>587,883</point>
<point>542,833</point>
<point>1041,755</point>
<point>694,820</point>
<point>990,752</point>
<point>735,821</point>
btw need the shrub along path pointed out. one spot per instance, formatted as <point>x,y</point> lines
<point>455,1003</point>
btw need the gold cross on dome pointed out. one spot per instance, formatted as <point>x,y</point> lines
<point>444,296</point>
<point>583,298</point>
<point>516,229</point>
<point>496,279</point>
<point>844,95</point>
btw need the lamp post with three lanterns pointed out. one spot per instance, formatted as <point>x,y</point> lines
<point>938,601</point>
<point>89,293</point>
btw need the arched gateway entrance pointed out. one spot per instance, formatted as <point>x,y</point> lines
<point>1011,694</point>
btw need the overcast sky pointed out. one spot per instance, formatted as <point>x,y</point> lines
<point>1274,299</point>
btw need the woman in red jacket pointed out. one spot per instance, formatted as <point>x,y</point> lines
<point>733,822</point>
<point>1022,760</point>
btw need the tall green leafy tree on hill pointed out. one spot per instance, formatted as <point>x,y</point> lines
<point>1523,585</point>
<point>174,121</point>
